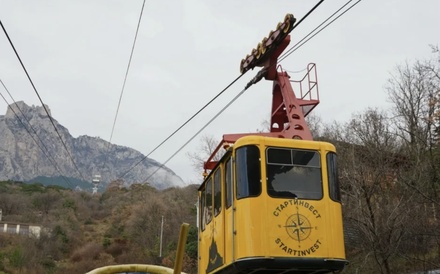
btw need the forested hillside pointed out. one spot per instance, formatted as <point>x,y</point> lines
<point>82,232</point>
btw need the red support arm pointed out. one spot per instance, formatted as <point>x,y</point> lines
<point>288,111</point>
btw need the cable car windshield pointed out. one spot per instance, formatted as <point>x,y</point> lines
<point>293,173</point>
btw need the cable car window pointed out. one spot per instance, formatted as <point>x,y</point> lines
<point>228,180</point>
<point>217,192</point>
<point>202,207</point>
<point>306,158</point>
<point>333,178</point>
<point>280,156</point>
<point>208,206</point>
<point>293,173</point>
<point>248,172</point>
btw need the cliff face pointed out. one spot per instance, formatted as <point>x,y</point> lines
<point>30,147</point>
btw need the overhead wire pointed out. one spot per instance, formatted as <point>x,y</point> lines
<point>172,134</point>
<point>41,101</point>
<point>197,133</point>
<point>254,80</point>
<point>308,13</point>
<point>207,104</point>
<point>261,72</point>
<point>181,126</point>
<point>123,85</point>
<point>45,150</point>
<point>126,72</point>
<point>307,38</point>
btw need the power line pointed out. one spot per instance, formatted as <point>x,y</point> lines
<point>45,151</point>
<point>44,106</point>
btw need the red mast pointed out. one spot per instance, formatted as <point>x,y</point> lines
<point>288,109</point>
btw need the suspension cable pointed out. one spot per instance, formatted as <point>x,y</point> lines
<point>197,133</point>
<point>301,43</point>
<point>123,85</point>
<point>308,13</point>
<point>261,73</point>
<point>126,72</point>
<point>207,104</point>
<point>181,126</point>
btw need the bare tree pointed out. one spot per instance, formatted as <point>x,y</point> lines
<point>415,91</point>
<point>206,146</point>
<point>390,167</point>
<point>315,124</point>
<point>369,165</point>
<point>44,202</point>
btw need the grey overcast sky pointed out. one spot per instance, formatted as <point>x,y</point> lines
<point>189,50</point>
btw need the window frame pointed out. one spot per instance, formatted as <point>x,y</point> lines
<point>334,184</point>
<point>237,173</point>
<point>202,209</point>
<point>228,182</point>
<point>217,189</point>
<point>288,193</point>
<point>209,209</point>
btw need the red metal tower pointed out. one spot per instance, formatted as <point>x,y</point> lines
<point>288,109</point>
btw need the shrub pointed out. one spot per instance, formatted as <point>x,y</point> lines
<point>86,252</point>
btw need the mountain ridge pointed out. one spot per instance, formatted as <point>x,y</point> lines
<point>26,131</point>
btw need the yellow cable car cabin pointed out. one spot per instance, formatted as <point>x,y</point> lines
<point>272,205</point>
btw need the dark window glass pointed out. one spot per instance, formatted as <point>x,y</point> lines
<point>299,178</point>
<point>279,156</point>
<point>217,192</point>
<point>333,178</point>
<point>202,209</point>
<point>248,171</point>
<point>228,179</point>
<point>208,206</point>
<point>306,158</point>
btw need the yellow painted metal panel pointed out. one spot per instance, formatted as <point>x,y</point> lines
<point>264,226</point>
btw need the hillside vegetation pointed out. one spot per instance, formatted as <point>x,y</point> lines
<point>82,232</point>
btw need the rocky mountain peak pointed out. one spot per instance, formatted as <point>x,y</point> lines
<point>20,107</point>
<point>30,148</point>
